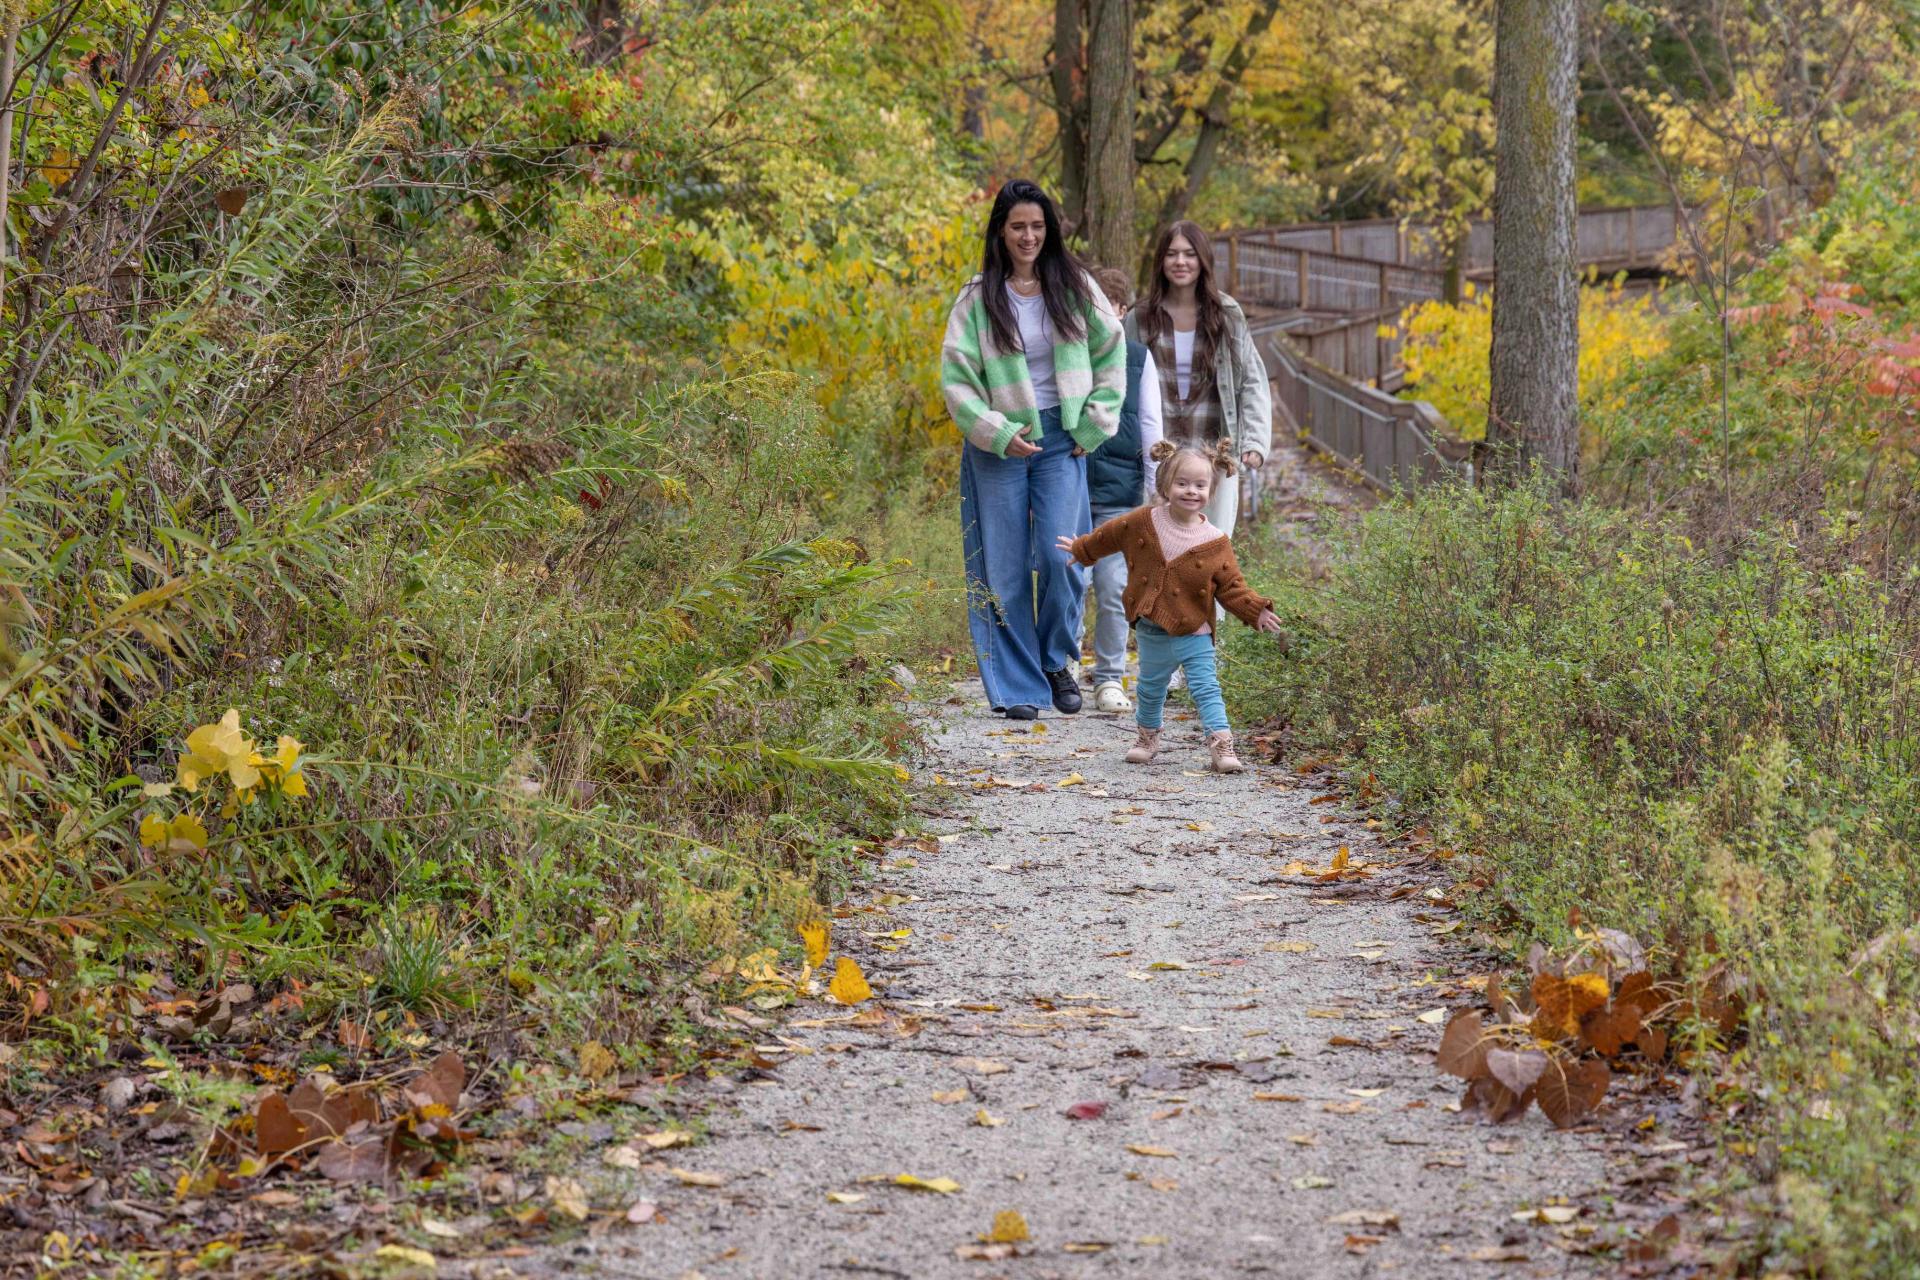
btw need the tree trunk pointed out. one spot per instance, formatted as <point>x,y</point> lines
<point>1215,116</point>
<point>1070,106</point>
<point>1109,226</point>
<point>606,31</point>
<point>1533,414</point>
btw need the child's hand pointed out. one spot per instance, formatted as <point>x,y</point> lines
<point>1268,621</point>
<point>1064,545</point>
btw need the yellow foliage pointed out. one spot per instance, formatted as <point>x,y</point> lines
<point>862,324</point>
<point>814,934</point>
<point>1447,347</point>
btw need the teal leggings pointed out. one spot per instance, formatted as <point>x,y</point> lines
<point>1160,654</point>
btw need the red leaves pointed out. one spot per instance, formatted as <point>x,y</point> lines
<point>1830,326</point>
<point>1086,1111</point>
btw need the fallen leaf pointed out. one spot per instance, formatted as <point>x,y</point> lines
<point>1303,1140</point>
<point>1071,780</point>
<point>667,1138</point>
<point>984,1252</point>
<point>986,1121</point>
<point>620,1158</point>
<point>1462,1051</point>
<point>1008,1228</point>
<point>1433,1017</point>
<point>1345,1108</point>
<point>846,1197</point>
<point>981,1066</point>
<point>569,1197</point>
<point>1365,1218</point>
<point>690,1178</point>
<point>1087,1246</point>
<point>1497,1253</point>
<point>947,1096</point>
<point>642,1211</point>
<point>435,1227</point>
<point>814,934</point>
<point>945,1186</point>
<point>1568,1093</point>
<point>1202,825</point>
<point>1311,1182</point>
<point>1366,1093</point>
<point>398,1258</point>
<point>1276,1097</point>
<point>1086,1111</point>
<point>1160,1152</point>
<point>849,985</point>
<point>1164,1184</point>
<point>1556,1214</point>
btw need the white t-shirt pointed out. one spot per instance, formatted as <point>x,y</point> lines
<point>1183,361</point>
<point>1151,429</point>
<point>1036,335</point>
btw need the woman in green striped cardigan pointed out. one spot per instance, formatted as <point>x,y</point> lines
<point>1033,368</point>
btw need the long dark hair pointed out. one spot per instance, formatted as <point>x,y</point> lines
<point>1153,317</point>
<point>1063,281</point>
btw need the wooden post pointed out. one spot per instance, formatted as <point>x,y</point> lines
<point>1379,356</point>
<point>1400,244</point>
<point>1305,280</point>
<point>1633,237</point>
<point>1336,237</point>
<point>1385,301</point>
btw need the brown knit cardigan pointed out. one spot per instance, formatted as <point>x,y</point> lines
<point>1177,597</point>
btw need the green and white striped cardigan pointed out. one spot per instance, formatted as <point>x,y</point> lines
<point>991,398</point>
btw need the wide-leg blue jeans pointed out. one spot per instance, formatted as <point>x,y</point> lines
<point>1024,597</point>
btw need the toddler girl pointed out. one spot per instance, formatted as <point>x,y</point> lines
<point>1178,567</point>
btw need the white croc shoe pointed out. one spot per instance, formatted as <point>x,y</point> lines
<point>1110,697</point>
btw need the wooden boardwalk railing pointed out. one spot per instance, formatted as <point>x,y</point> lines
<point>1327,298</point>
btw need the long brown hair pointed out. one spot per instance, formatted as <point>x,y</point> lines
<point>1153,316</point>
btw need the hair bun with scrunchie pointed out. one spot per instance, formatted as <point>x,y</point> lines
<point>1162,450</point>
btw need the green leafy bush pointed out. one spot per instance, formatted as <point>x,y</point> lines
<point>1718,754</point>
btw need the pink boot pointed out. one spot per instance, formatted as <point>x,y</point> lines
<point>1220,747</point>
<point>1145,747</point>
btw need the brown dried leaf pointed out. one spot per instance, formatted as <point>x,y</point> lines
<point>1569,1092</point>
<point>1516,1068</point>
<point>1553,1017</point>
<point>1608,1031</point>
<point>355,1162</point>
<point>231,201</point>
<point>441,1082</point>
<point>1495,1099</point>
<point>275,1130</point>
<point>1636,989</point>
<point>1462,1052</point>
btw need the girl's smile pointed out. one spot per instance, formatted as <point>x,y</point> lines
<point>1025,235</point>
<point>1190,490</point>
<point>1182,263</point>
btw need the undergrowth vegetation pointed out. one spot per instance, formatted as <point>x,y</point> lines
<point>1717,753</point>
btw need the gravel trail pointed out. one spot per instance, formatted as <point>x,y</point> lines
<point>1131,940</point>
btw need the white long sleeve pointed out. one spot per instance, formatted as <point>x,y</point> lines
<point>1151,431</point>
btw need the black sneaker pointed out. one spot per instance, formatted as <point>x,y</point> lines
<point>1023,711</point>
<point>1066,692</point>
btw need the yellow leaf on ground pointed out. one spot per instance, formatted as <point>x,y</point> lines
<point>667,1138</point>
<point>690,1178</point>
<point>945,1096</point>
<point>1294,948</point>
<point>849,985</point>
<point>394,1258</point>
<point>1433,1017</point>
<point>846,1197</point>
<point>1071,780</point>
<point>986,1121</point>
<point>1340,860</point>
<point>1160,1152</point>
<point>814,934</point>
<point>569,1197</point>
<point>981,1066</point>
<point>945,1186</point>
<point>1008,1228</point>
